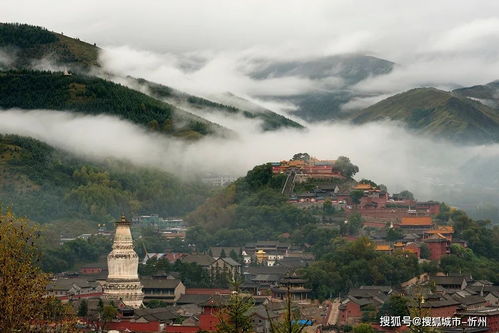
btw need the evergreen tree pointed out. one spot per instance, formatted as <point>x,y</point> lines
<point>235,316</point>
<point>83,308</point>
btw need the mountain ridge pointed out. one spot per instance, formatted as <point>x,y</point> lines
<point>32,47</point>
<point>435,112</point>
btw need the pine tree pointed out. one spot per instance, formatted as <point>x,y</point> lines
<point>83,308</point>
<point>235,316</point>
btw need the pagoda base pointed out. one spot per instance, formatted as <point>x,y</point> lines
<point>126,291</point>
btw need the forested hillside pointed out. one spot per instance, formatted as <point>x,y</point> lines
<point>251,208</point>
<point>202,106</point>
<point>25,45</point>
<point>46,184</point>
<point>91,95</point>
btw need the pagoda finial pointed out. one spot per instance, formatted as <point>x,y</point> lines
<point>123,220</point>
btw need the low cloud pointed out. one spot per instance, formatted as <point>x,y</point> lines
<point>384,152</point>
<point>219,74</point>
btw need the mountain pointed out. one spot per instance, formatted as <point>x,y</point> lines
<point>351,68</point>
<point>436,112</point>
<point>90,95</point>
<point>27,46</point>
<point>46,184</point>
<point>227,105</point>
<point>487,94</point>
<point>332,76</point>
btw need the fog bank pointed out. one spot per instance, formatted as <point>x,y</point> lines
<point>384,152</point>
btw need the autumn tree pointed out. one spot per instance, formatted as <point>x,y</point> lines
<point>22,283</point>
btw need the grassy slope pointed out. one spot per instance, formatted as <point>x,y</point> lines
<point>436,112</point>
<point>486,93</point>
<point>90,95</point>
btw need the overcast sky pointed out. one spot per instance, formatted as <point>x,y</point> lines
<point>444,43</point>
<point>389,28</point>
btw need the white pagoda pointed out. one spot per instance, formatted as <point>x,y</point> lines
<point>123,282</point>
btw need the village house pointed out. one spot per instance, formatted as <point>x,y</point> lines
<point>162,288</point>
<point>202,260</point>
<point>225,251</point>
<point>93,268</point>
<point>64,288</point>
<point>452,282</point>
<point>490,313</point>
<point>441,307</point>
<point>227,266</point>
<point>171,257</point>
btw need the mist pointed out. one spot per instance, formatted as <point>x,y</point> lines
<point>210,50</point>
<point>384,152</point>
<point>204,48</point>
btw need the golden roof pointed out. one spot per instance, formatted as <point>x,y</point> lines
<point>383,248</point>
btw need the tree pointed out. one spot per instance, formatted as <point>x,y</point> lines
<point>22,283</point>
<point>301,156</point>
<point>345,167</point>
<point>259,176</point>
<point>383,187</point>
<point>60,316</point>
<point>363,328</point>
<point>425,251</point>
<point>108,313</point>
<point>235,316</point>
<point>396,305</point>
<point>394,234</point>
<point>356,196</point>
<point>327,207</point>
<point>235,256</point>
<point>368,181</point>
<point>406,195</point>
<point>290,323</point>
<point>223,254</point>
<point>353,225</point>
<point>83,308</point>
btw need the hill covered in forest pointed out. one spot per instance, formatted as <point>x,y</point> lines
<point>46,184</point>
<point>91,95</point>
<point>203,107</point>
<point>438,113</point>
<point>25,46</point>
